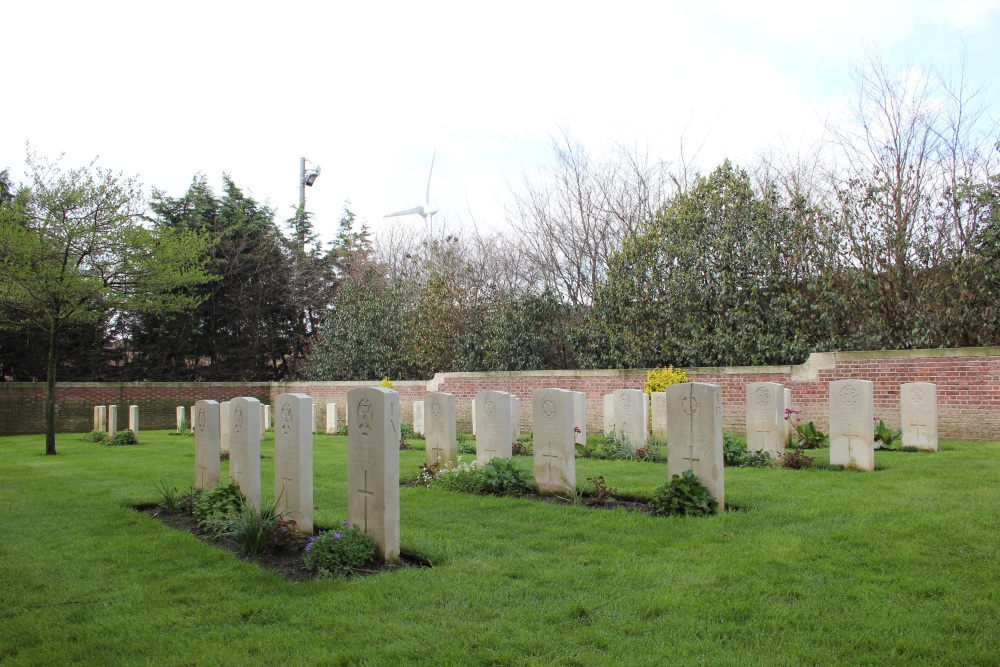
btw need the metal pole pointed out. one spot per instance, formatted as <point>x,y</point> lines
<point>302,183</point>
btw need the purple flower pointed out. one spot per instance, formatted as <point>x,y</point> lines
<point>576,429</point>
<point>336,536</point>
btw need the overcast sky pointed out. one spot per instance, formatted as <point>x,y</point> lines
<point>368,90</point>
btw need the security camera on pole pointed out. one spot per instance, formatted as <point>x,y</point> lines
<point>305,178</point>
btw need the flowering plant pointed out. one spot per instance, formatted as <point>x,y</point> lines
<point>339,553</point>
<point>809,436</point>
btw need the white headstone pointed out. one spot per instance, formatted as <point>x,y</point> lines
<point>133,420</point>
<point>493,430</point>
<point>766,430</point>
<point>263,424</point>
<point>206,445</point>
<point>224,426</point>
<point>580,417</point>
<point>267,417</point>
<point>419,421</point>
<point>373,466</point>
<point>102,417</point>
<point>293,459</point>
<point>331,418</point>
<point>553,441</point>
<point>473,416</point>
<point>694,434</point>
<point>193,419</point>
<point>244,443</point>
<point>658,408</point>
<point>918,409</point>
<point>440,436</point>
<point>852,438</point>
<point>112,420</point>
<point>515,418</point>
<point>97,418</point>
<point>313,423</point>
<point>630,415</point>
<point>180,417</point>
<point>609,413</point>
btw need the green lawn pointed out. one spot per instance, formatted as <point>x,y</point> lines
<point>899,566</point>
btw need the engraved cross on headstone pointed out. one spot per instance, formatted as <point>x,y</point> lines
<point>917,425</point>
<point>690,457</point>
<point>549,456</point>
<point>851,436</point>
<point>365,493</point>
<point>763,430</point>
<point>437,450</point>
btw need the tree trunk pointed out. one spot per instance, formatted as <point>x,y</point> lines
<point>50,395</point>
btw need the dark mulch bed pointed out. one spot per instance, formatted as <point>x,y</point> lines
<point>286,561</point>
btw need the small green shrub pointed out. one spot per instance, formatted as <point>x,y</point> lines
<point>337,554</point>
<point>586,450</point>
<point>173,500</point>
<point>501,477</point>
<point>463,477</point>
<point>185,426</point>
<point>97,435</point>
<point>602,493</point>
<point>342,430</point>
<point>761,459</point>
<point>617,447</point>
<point>797,460</point>
<point>215,507</point>
<point>685,495</point>
<point>806,435</point>
<point>523,446</point>
<point>652,452</point>
<point>122,438</point>
<point>734,449</point>
<point>254,529</point>
<point>885,438</point>
<point>406,432</point>
<point>466,445</point>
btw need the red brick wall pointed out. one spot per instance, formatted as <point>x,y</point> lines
<point>968,382</point>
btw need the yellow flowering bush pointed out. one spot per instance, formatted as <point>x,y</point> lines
<point>386,382</point>
<point>660,378</point>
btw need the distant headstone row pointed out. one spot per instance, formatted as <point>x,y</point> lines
<point>106,419</point>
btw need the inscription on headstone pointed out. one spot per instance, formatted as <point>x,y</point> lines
<point>373,466</point>
<point>293,459</point>
<point>206,445</point>
<point>766,426</point>
<point>694,434</point>
<point>112,420</point>
<point>493,431</point>
<point>224,426</point>
<point>331,418</point>
<point>440,438</point>
<point>918,412</point>
<point>658,401</point>
<point>554,451</point>
<point>180,418</point>
<point>609,413</point>
<point>419,421</point>
<point>630,415</point>
<point>244,442</point>
<point>852,441</point>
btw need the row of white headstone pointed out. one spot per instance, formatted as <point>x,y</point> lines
<point>106,419</point>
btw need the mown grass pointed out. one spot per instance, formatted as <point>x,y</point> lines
<point>898,566</point>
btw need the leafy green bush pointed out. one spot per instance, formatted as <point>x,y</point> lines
<point>336,554</point>
<point>173,500</point>
<point>617,447</point>
<point>466,445</point>
<point>807,435</point>
<point>523,446</point>
<point>601,493</point>
<point>463,477</point>
<point>184,426</point>
<point>652,452</point>
<point>97,435</point>
<point>734,449</point>
<point>215,507</point>
<point>685,495</point>
<point>501,477</point>
<point>761,459</point>
<point>124,437</point>
<point>885,437</point>
<point>406,432</point>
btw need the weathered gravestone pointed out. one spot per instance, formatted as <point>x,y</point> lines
<point>579,418</point>
<point>555,453</point>
<point>180,418</point>
<point>331,418</point>
<point>630,409</point>
<point>658,408</point>
<point>312,424</point>
<point>97,418</point>
<point>112,420</point>
<point>224,426</point>
<point>293,459</point>
<point>852,440</point>
<point>419,421</point>
<point>440,437</point>
<point>206,445</point>
<point>103,417</point>
<point>766,426</point>
<point>244,442</point>
<point>493,441</point>
<point>133,420</point>
<point>373,466</point>
<point>473,416</point>
<point>694,431</point>
<point>263,424</point>
<point>609,413</point>
<point>267,417</point>
<point>918,409</point>
<point>194,420</point>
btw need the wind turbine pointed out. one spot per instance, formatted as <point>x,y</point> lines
<point>426,211</point>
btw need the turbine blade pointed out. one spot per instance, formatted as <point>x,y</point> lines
<point>419,210</point>
<point>429,174</point>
